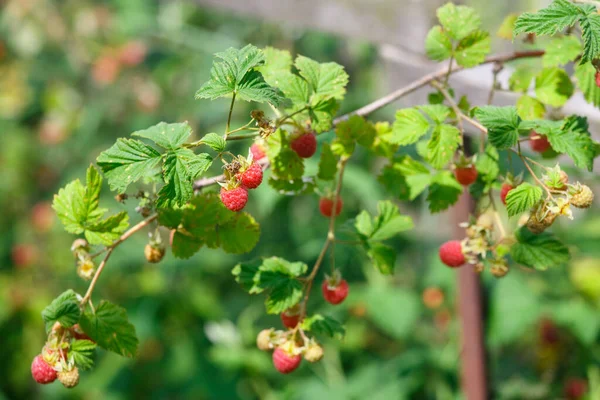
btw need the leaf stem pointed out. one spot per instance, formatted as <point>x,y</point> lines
<point>125,236</point>
<point>454,106</point>
<point>229,117</point>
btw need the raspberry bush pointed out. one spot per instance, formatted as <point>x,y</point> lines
<point>184,207</point>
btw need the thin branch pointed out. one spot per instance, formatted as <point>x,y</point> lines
<point>110,249</point>
<point>243,137</point>
<point>229,117</point>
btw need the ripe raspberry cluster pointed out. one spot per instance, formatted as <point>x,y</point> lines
<point>241,174</point>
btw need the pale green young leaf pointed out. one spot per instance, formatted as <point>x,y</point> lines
<point>167,136</point>
<point>521,78</point>
<point>405,178</point>
<point>443,191</point>
<point>442,145</point>
<point>240,234</point>
<point>323,325</point>
<point>322,113</point>
<point>364,223</point>
<point>108,230</point>
<point>383,257</point>
<point>277,65</point>
<point>522,198</point>
<point>410,125</point>
<point>127,161</point>
<point>502,124</point>
<point>352,131</point>
<point>63,309</point>
<point>529,108</point>
<point>561,50</point>
<point>82,352</point>
<point>438,45</point>
<point>586,81</point>
<point>553,87</point>
<point>458,21</point>
<point>547,21</point>
<point>327,163</point>
<point>437,112</point>
<point>472,49</point>
<point>507,26</point>
<point>326,80</point>
<point>214,141</point>
<point>590,27</point>
<point>539,251</point>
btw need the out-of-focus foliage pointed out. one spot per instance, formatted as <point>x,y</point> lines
<point>76,75</point>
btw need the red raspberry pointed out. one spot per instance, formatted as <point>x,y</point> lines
<point>598,78</point>
<point>132,53</point>
<point>504,191</point>
<point>285,362</point>
<point>540,144</point>
<point>234,199</point>
<point>258,152</point>
<point>326,206</point>
<point>451,254</point>
<point>305,145</point>
<point>465,175</point>
<point>335,294</point>
<point>252,177</point>
<point>575,388</point>
<point>41,371</point>
<point>290,318</point>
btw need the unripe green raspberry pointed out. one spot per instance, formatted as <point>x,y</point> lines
<point>263,340</point>
<point>313,352</point>
<point>583,197</point>
<point>69,379</point>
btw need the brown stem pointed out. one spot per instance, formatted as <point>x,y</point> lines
<point>109,251</point>
<point>454,106</point>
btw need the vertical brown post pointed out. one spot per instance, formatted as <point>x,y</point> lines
<point>472,356</point>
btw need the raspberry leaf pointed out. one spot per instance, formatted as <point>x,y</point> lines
<point>561,50</point>
<point>323,325</point>
<point>325,81</point>
<point>458,21</point>
<point>405,177</point>
<point>355,130</point>
<point>286,163</point>
<point>107,230</point>
<point>553,87</point>
<point>503,124</point>
<point>240,234</point>
<point>471,50</point>
<point>327,163</point>
<point>180,168</point>
<point>388,222</point>
<point>442,145</point>
<point>529,108</point>
<point>110,328</point>
<point>539,251</point>
<point>126,162</point>
<point>590,27</point>
<point>438,44</point>
<point>586,81</point>
<point>82,352</point>
<point>277,65</point>
<point>383,257</point>
<point>522,198</point>
<point>443,191</point>
<point>547,21</point>
<point>214,141</point>
<point>410,125</point>
<point>520,80</point>
<point>167,136</point>
<point>64,309</point>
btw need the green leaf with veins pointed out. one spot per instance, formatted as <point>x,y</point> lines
<point>410,125</point>
<point>520,80</point>
<point>110,328</point>
<point>126,162</point>
<point>108,230</point>
<point>180,168</point>
<point>442,145</point>
<point>234,73</point>
<point>167,136</point>
<point>561,50</point>
<point>327,163</point>
<point>405,177</point>
<point>325,80</point>
<point>487,164</point>
<point>471,50</point>
<point>82,352</point>
<point>444,191</point>
<point>276,68</point>
<point>352,131</point>
<point>539,251</point>
<point>438,45</point>
<point>586,81</point>
<point>522,198</point>
<point>388,222</point>
<point>574,139</point>
<point>63,309</point>
<point>240,234</point>
<point>383,257</point>
<point>553,87</point>
<point>547,21</point>
<point>458,21</point>
<point>437,112</point>
<point>590,27</point>
<point>323,325</point>
<point>502,124</point>
<point>529,108</point>
<point>214,141</point>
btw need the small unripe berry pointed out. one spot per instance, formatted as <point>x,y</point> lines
<point>69,379</point>
<point>263,340</point>
<point>154,253</point>
<point>313,353</point>
<point>583,198</point>
<point>499,268</point>
<point>258,152</point>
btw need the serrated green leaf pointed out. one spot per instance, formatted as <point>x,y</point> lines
<point>82,352</point>
<point>323,325</point>
<point>127,161</point>
<point>437,112</point>
<point>63,309</point>
<point>502,124</point>
<point>405,178</point>
<point>529,108</point>
<point>352,131</point>
<point>444,191</point>
<point>294,186</point>
<point>574,139</point>
<point>539,251</point>
<point>185,244</point>
<point>590,27</point>
<point>107,230</point>
<point>458,21</point>
<point>283,296</point>
<point>553,87</point>
<point>235,72</point>
<point>410,125</point>
<point>167,136</point>
<point>383,257</point>
<point>522,198</point>
<point>110,328</point>
<point>520,80</point>
<point>586,81</point>
<point>277,62</point>
<point>214,141</point>
<point>561,50</point>
<point>327,163</point>
<point>240,234</point>
<point>388,222</point>
<point>326,80</point>
<point>287,164</point>
<point>442,145</point>
<point>487,164</point>
<point>472,49</point>
<point>180,168</point>
<point>438,45</point>
<point>547,21</point>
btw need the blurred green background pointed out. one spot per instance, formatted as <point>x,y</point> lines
<point>76,75</point>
